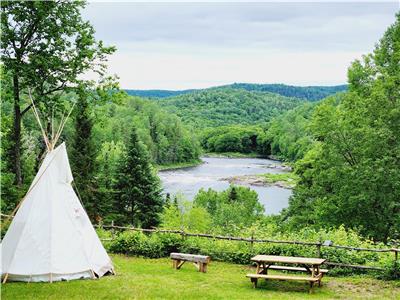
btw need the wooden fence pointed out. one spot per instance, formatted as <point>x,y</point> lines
<point>253,240</point>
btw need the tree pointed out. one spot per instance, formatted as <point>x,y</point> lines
<point>45,45</point>
<point>83,158</point>
<point>235,207</point>
<point>138,192</point>
<point>352,174</point>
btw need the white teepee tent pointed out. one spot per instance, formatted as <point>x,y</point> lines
<point>51,237</point>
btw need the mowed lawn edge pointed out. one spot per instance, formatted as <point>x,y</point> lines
<point>142,278</point>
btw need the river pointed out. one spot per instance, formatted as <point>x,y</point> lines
<point>210,174</point>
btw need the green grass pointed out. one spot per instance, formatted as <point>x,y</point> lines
<point>178,165</point>
<point>233,155</point>
<point>289,179</point>
<point>140,278</point>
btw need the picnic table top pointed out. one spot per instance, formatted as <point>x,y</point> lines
<point>288,259</point>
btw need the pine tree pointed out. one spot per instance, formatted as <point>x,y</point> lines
<point>83,158</point>
<point>137,189</point>
<point>232,194</point>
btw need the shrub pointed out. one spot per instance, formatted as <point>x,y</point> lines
<point>392,271</point>
<point>161,245</point>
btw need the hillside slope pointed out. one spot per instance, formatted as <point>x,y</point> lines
<point>225,106</point>
<point>311,93</point>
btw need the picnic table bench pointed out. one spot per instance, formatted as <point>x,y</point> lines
<point>200,261</point>
<point>309,265</point>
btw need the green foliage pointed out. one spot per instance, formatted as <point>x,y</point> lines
<point>45,46</point>
<point>236,138</point>
<point>392,271</point>
<point>184,215</point>
<point>287,135</point>
<point>157,93</point>
<point>83,159</point>
<point>233,208</point>
<point>288,179</point>
<point>161,244</point>
<point>137,187</point>
<point>312,93</point>
<point>166,139</point>
<point>226,106</point>
<point>351,175</point>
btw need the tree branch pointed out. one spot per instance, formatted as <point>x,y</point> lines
<point>26,109</point>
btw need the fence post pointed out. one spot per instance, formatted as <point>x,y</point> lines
<point>319,249</point>
<point>396,254</point>
<point>252,242</point>
<point>112,229</point>
<point>183,234</point>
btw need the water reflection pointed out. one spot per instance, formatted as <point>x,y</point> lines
<point>210,174</point>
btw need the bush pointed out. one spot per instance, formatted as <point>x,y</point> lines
<point>392,271</point>
<point>147,245</point>
<point>161,245</point>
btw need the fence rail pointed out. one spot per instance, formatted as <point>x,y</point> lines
<point>252,240</point>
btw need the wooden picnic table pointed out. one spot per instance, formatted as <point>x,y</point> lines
<point>307,264</point>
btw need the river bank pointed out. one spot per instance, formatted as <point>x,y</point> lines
<point>233,155</point>
<point>188,181</point>
<point>282,180</point>
<point>176,166</point>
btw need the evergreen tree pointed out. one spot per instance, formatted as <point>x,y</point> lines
<point>83,158</point>
<point>232,194</point>
<point>138,192</point>
<point>167,200</point>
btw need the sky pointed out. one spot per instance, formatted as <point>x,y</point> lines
<point>198,45</point>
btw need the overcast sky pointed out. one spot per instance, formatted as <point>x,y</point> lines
<point>197,45</point>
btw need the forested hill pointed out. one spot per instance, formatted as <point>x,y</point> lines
<point>225,106</point>
<point>311,93</point>
<point>157,93</point>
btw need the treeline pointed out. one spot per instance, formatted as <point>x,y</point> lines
<point>350,175</point>
<point>227,106</point>
<point>157,93</point>
<point>166,138</point>
<point>98,135</point>
<point>113,140</point>
<point>287,136</point>
<point>235,138</point>
<point>345,149</point>
<point>311,93</point>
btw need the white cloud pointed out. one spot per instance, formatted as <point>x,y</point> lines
<point>177,46</point>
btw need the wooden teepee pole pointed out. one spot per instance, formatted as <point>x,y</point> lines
<point>62,124</point>
<point>46,139</point>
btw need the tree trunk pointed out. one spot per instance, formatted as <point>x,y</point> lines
<point>17,133</point>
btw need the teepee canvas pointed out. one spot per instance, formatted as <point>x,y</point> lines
<point>51,237</point>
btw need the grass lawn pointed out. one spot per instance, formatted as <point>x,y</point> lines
<point>182,165</point>
<point>140,278</point>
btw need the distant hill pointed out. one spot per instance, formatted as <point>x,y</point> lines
<point>157,93</point>
<point>311,93</point>
<point>226,106</point>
